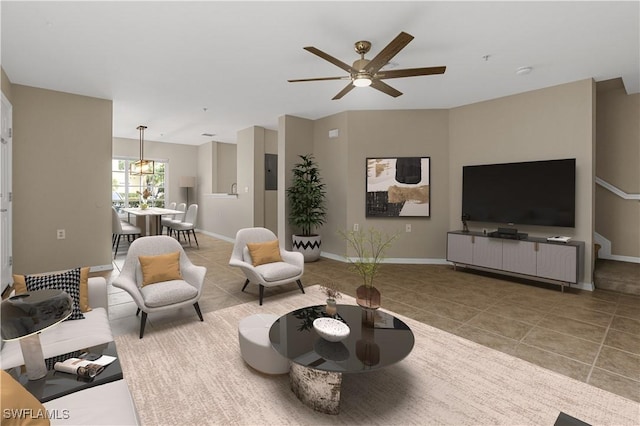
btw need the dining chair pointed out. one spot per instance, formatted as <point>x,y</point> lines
<point>120,228</point>
<point>188,225</point>
<point>177,218</point>
<point>165,221</point>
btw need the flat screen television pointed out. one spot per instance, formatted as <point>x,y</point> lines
<point>527,193</point>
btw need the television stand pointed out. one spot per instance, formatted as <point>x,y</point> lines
<point>529,257</point>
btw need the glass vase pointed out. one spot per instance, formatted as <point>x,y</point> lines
<point>332,307</point>
<point>368,297</point>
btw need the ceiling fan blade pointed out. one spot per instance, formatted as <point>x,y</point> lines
<point>343,92</point>
<point>391,50</point>
<point>330,58</point>
<point>320,79</point>
<point>410,72</point>
<point>385,88</point>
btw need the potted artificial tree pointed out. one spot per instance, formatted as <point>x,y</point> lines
<point>307,212</point>
<point>369,248</point>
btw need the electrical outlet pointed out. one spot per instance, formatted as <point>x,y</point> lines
<point>407,227</point>
<point>61,234</point>
<point>356,227</point>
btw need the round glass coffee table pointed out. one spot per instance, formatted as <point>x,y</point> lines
<point>376,340</point>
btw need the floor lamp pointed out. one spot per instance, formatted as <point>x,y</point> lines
<point>187,182</point>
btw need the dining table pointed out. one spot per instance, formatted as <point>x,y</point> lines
<point>153,225</point>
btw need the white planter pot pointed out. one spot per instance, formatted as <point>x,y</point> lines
<point>309,246</point>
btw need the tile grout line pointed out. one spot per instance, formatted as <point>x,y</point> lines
<point>604,338</point>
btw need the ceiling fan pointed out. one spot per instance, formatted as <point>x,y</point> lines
<point>365,72</point>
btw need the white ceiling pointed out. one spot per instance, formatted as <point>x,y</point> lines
<point>163,63</point>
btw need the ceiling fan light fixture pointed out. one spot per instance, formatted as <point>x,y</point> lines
<point>363,72</point>
<point>362,80</point>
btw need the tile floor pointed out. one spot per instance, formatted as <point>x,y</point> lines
<point>593,337</point>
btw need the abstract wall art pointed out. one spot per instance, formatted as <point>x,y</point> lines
<point>398,187</point>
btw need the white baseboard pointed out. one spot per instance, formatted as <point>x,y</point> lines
<point>218,236</point>
<point>585,286</point>
<point>396,260</point>
<point>621,258</point>
<point>605,250</point>
<point>333,256</point>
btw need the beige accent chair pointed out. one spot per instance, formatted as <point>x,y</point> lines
<point>120,228</point>
<point>269,274</point>
<point>164,295</point>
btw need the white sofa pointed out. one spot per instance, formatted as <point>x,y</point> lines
<point>110,403</point>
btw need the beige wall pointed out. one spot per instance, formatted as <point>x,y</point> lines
<point>271,196</point>
<point>215,215</point>
<point>618,163</point>
<point>332,157</point>
<point>552,123</point>
<point>217,167</point>
<point>182,160</point>
<point>61,163</point>
<point>207,179</point>
<point>226,166</point>
<point>405,133</point>
<point>224,216</point>
<point>295,137</point>
<point>257,186</point>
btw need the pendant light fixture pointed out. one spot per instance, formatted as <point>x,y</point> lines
<point>142,166</point>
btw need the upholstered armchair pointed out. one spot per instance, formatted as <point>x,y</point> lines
<point>159,276</point>
<point>270,265</point>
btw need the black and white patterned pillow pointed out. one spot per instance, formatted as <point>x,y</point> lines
<point>68,282</point>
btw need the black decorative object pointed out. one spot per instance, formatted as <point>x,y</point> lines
<point>465,227</point>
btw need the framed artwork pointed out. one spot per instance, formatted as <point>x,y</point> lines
<point>398,187</point>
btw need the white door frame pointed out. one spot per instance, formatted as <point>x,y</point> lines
<point>6,188</point>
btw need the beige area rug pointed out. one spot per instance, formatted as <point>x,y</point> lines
<point>191,372</point>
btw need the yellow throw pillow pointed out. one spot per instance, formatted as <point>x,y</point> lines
<point>84,289</point>
<point>262,253</point>
<point>19,407</point>
<point>20,286</point>
<point>163,267</point>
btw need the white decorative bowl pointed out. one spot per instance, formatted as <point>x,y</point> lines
<point>331,329</point>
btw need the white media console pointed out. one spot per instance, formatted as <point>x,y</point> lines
<point>534,258</point>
